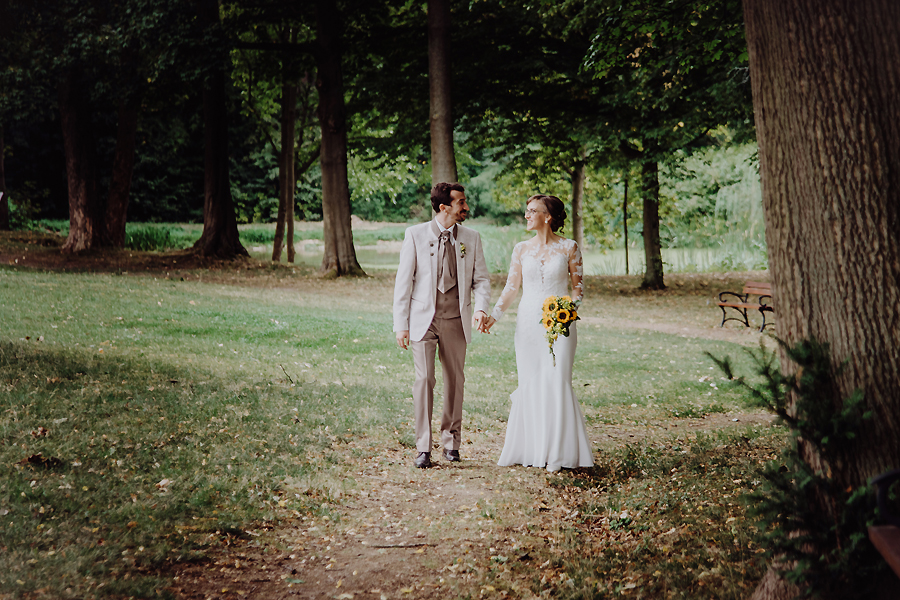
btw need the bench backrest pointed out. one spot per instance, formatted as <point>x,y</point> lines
<point>758,288</point>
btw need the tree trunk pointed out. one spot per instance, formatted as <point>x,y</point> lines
<point>578,201</point>
<point>4,197</point>
<point>443,159</point>
<point>285,167</point>
<point>340,255</point>
<point>625,222</point>
<point>120,183</point>
<point>85,224</point>
<point>825,77</point>
<point>653,271</point>
<point>286,177</point>
<point>220,233</point>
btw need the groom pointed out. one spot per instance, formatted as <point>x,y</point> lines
<point>441,265</point>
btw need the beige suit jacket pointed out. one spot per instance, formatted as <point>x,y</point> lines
<point>415,288</point>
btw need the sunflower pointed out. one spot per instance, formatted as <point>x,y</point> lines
<point>563,316</point>
<point>548,322</point>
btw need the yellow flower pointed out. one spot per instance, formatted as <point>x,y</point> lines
<point>574,315</point>
<point>562,316</point>
<point>548,322</point>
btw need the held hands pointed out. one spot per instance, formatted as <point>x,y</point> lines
<point>479,321</point>
<point>484,322</point>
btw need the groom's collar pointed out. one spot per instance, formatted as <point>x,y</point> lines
<point>437,229</point>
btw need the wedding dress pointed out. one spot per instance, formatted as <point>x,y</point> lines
<point>546,426</point>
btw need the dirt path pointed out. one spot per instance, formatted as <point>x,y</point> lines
<point>400,532</point>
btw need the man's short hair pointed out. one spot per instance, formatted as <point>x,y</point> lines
<point>440,194</point>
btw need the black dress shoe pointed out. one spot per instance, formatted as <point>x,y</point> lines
<point>423,460</point>
<point>451,455</point>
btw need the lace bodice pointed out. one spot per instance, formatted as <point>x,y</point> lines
<point>542,270</point>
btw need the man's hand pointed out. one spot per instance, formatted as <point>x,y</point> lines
<point>480,320</point>
<point>403,339</point>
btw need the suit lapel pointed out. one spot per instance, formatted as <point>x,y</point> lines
<point>433,233</point>
<point>460,262</point>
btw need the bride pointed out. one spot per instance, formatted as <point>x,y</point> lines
<point>546,427</point>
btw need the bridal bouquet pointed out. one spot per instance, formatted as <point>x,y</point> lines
<point>558,315</point>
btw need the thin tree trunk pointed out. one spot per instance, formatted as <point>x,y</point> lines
<point>220,237</point>
<point>4,196</point>
<point>443,159</point>
<point>85,225</point>
<point>578,201</point>
<point>120,183</point>
<point>826,78</point>
<point>340,255</point>
<point>625,222</point>
<point>653,271</point>
<point>289,221</point>
<point>286,179</point>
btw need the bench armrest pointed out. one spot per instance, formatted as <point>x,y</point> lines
<point>741,297</point>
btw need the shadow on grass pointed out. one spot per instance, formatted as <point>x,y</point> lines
<point>113,466</point>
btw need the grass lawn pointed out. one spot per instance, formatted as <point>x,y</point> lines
<point>246,431</point>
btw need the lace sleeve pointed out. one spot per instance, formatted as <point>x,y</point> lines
<point>576,272</point>
<point>513,281</point>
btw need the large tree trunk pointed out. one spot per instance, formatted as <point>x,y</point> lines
<point>578,201</point>
<point>120,183</point>
<point>340,255</point>
<point>4,196</point>
<point>826,78</point>
<point>443,159</point>
<point>85,220</point>
<point>220,233</point>
<point>653,271</point>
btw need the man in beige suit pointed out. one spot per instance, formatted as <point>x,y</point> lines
<point>441,266</point>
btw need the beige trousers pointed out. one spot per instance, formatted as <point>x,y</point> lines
<point>447,337</point>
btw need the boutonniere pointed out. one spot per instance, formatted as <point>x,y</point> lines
<point>462,250</point>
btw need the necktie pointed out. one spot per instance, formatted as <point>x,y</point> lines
<point>447,264</point>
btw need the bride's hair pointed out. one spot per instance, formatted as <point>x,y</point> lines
<point>555,208</point>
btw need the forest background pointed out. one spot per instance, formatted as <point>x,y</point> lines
<point>547,96</point>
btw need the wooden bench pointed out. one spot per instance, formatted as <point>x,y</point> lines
<point>886,538</point>
<point>741,303</point>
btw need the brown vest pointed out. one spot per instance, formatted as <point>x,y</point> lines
<point>446,304</point>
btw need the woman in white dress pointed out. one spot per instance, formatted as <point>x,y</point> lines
<point>546,427</point>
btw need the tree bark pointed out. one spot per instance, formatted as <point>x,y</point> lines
<point>653,271</point>
<point>825,77</point>
<point>85,224</point>
<point>340,255</point>
<point>286,182</point>
<point>578,201</point>
<point>120,183</point>
<point>4,196</point>
<point>443,159</point>
<point>220,233</point>
<point>625,222</point>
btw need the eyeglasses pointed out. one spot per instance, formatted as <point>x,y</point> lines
<point>531,212</point>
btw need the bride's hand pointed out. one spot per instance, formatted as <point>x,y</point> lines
<point>489,322</point>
